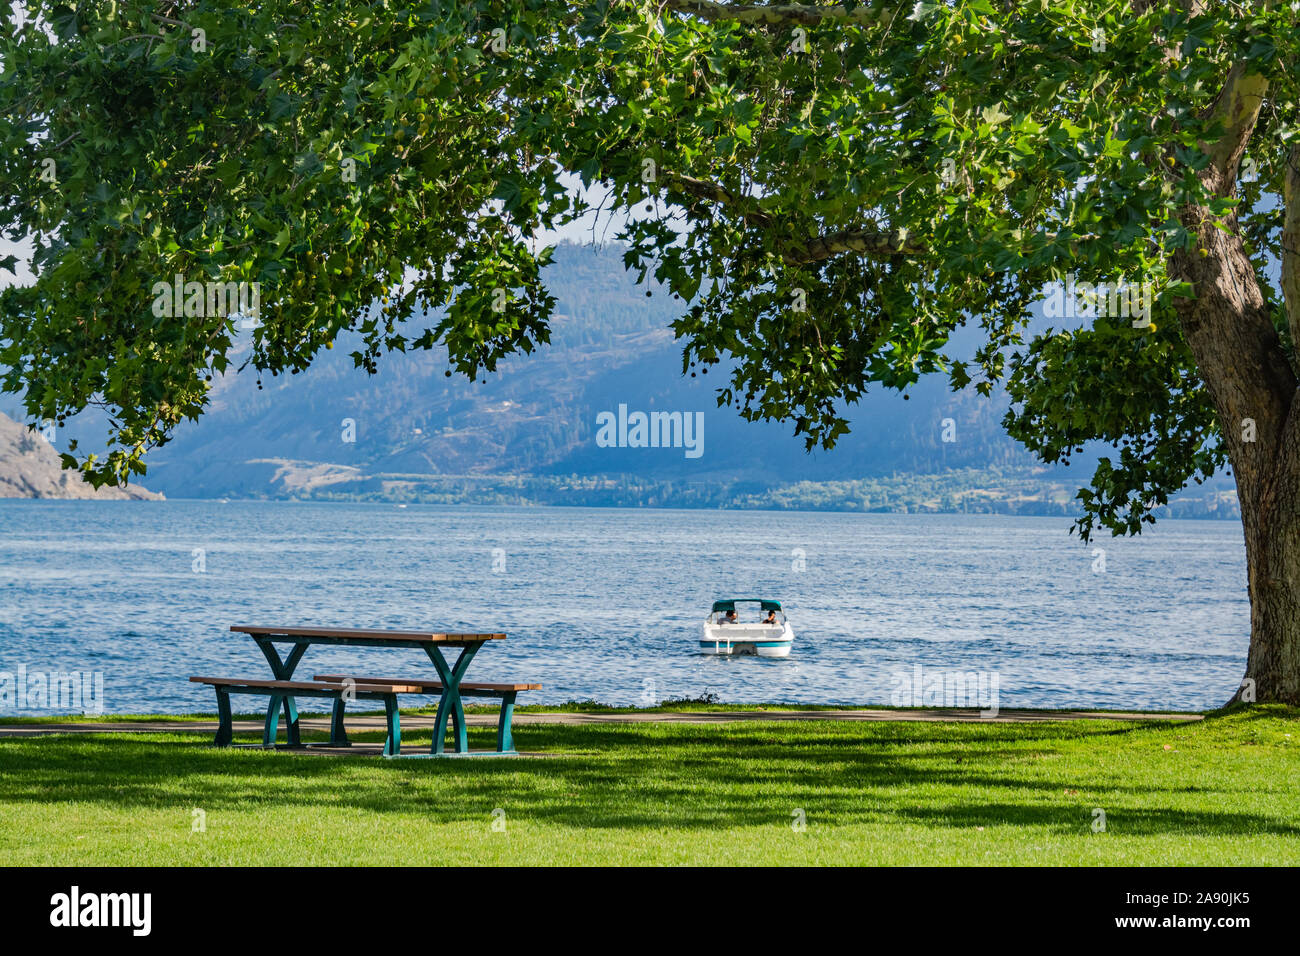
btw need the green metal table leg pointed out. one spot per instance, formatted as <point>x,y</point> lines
<point>459,732</point>
<point>393,743</point>
<point>272,721</point>
<point>283,670</point>
<point>505,742</point>
<point>271,726</point>
<point>449,704</point>
<point>291,722</point>
<point>225,726</point>
<point>338,732</point>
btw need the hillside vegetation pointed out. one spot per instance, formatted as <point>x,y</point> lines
<point>527,435</point>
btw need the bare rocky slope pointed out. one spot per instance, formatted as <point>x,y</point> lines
<point>30,468</point>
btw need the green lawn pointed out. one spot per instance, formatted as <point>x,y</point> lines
<point>1224,791</point>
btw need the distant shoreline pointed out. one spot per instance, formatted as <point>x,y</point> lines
<point>1166,513</point>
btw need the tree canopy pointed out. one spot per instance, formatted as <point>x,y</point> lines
<point>829,190</point>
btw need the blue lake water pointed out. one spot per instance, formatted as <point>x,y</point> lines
<point>606,604</point>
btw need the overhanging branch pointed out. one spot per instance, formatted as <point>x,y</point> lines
<point>706,189</point>
<point>871,243</point>
<point>1237,108</point>
<point>1289,252</point>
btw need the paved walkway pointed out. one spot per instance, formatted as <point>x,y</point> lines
<point>413,722</point>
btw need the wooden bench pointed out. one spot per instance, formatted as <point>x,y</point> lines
<point>505,692</point>
<point>281,690</point>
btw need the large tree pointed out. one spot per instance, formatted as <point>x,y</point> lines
<point>829,190</point>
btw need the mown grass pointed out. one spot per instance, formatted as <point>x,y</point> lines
<point>683,706</point>
<point>1222,791</point>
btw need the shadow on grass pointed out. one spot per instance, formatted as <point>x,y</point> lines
<point>651,776</point>
<point>706,777</point>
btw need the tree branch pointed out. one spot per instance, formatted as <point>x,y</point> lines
<point>716,192</point>
<point>1290,242</point>
<point>1237,106</point>
<point>863,242</point>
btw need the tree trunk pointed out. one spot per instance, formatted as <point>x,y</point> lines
<point>1259,432</point>
<point>1239,355</point>
<point>1229,328</point>
<point>1273,563</point>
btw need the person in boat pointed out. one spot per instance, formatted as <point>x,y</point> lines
<point>771,618</point>
<point>730,617</point>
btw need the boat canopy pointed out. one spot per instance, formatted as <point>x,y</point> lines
<point>731,605</point>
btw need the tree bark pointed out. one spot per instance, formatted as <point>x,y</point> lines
<point>1230,330</point>
<point>1236,357</point>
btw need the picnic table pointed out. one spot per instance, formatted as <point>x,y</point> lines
<point>431,642</point>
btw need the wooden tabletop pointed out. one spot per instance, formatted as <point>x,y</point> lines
<point>363,634</point>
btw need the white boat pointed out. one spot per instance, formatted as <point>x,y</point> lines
<point>765,634</point>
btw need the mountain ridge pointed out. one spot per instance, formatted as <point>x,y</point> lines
<point>411,432</point>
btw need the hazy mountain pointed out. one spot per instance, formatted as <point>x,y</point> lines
<point>611,345</point>
<point>333,430</point>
